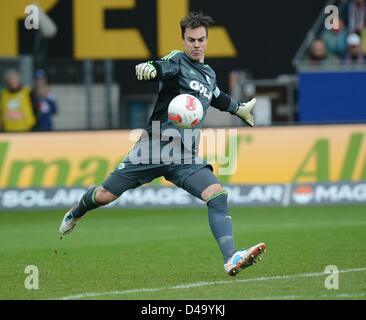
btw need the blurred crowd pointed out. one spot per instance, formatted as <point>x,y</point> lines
<point>25,109</point>
<point>343,45</point>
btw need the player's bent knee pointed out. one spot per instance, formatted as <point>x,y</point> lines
<point>104,197</point>
<point>211,190</point>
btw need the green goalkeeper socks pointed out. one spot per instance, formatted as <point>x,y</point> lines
<point>86,203</point>
<point>220,223</point>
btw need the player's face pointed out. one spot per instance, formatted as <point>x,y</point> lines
<point>195,43</point>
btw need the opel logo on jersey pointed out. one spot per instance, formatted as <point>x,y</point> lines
<point>199,87</point>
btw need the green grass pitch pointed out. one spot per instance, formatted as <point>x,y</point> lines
<point>171,254</point>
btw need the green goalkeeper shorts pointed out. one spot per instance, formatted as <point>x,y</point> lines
<point>129,176</point>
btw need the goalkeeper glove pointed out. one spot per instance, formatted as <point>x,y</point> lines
<point>146,71</point>
<point>243,112</point>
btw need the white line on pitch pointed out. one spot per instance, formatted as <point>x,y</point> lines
<point>198,284</point>
<point>299,297</point>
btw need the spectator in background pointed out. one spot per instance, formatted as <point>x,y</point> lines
<point>318,55</point>
<point>336,40</point>
<point>44,102</point>
<point>355,54</point>
<point>354,13</point>
<point>356,16</point>
<point>16,109</point>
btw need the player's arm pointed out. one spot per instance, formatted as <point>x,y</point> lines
<point>162,69</point>
<point>224,102</point>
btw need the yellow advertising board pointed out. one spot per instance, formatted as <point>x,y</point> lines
<point>251,155</point>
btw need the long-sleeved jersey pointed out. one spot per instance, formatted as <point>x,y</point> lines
<point>178,74</point>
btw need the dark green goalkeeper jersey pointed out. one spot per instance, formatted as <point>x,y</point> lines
<point>178,74</point>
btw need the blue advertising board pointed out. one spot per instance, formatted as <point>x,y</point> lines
<point>332,96</point>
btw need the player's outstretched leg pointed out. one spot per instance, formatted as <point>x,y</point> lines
<point>88,202</point>
<point>204,185</point>
<point>73,216</point>
<point>244,258</point>
<point>220,223</point>
<point>221,226</point>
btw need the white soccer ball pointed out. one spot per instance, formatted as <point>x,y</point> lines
<point>185,111</point>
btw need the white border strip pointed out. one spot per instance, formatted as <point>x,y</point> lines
<point>202,284</point>
<point>302,297</point>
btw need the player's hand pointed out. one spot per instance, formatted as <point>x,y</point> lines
<point>244,112</point>
<point>145,71</point>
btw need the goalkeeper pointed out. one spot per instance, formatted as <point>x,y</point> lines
<point>177,73</point>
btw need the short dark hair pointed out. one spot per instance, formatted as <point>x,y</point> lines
<point>195,20</point>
